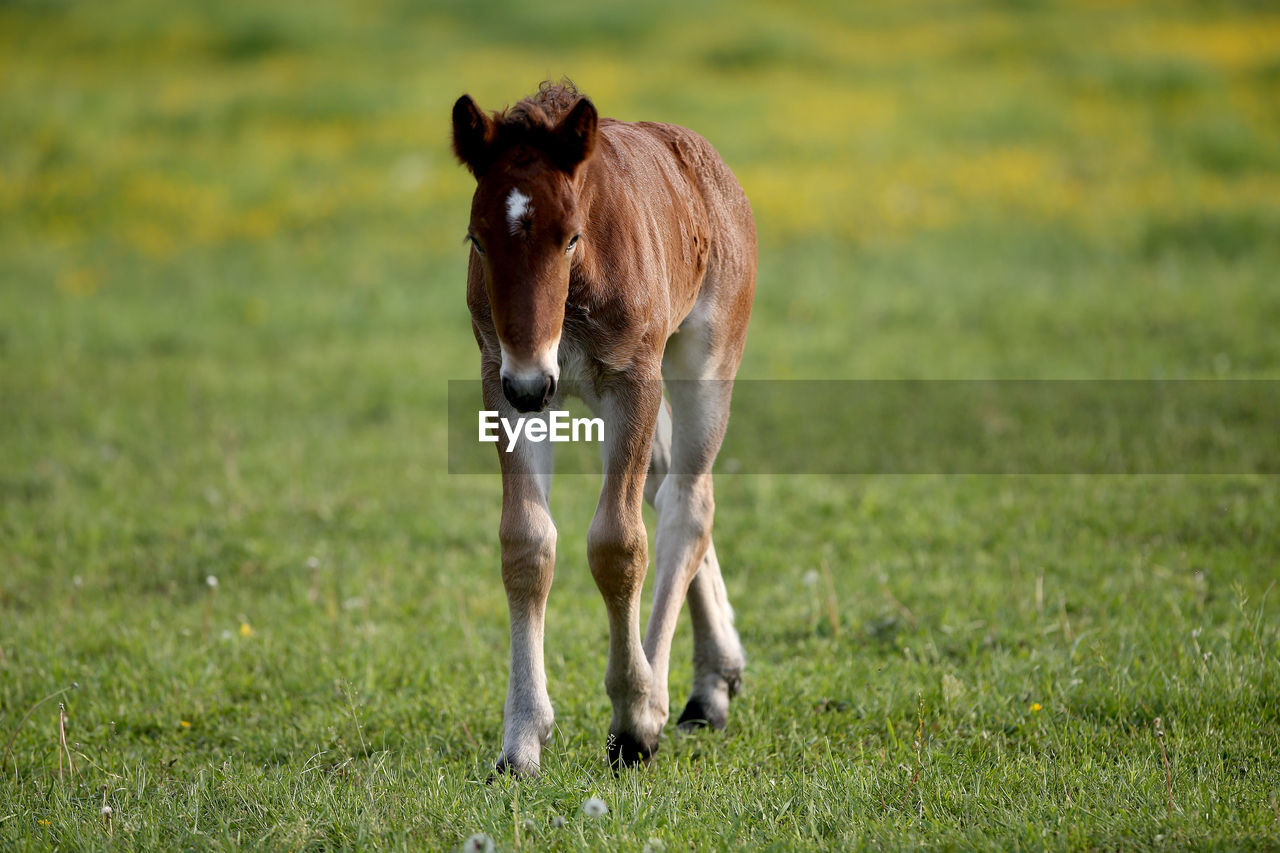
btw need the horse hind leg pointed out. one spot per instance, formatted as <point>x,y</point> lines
<point>700,390</point>
<point>718,659</point>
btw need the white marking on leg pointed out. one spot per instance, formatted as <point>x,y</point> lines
<point>518,210</point>
<point>685,505</point>
<point>718,659</point>
<point>528,554</point>
<point>685,508</point>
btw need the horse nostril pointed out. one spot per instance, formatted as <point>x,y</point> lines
<point>528,395</point>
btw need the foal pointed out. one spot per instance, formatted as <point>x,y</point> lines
<point>607,256</point>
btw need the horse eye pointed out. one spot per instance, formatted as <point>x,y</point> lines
<point>475,244</point>
<point>572,243</point>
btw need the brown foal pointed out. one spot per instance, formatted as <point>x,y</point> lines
<point>607,257</point>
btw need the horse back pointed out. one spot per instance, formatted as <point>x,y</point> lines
<point>673,214</point>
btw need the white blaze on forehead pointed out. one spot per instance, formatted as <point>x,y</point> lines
<point>517,210</point>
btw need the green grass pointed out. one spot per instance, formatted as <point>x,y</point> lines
<point>231,279</point>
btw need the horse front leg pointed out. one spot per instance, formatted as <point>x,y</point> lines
<point>528,539</point>
<point>617,549</point>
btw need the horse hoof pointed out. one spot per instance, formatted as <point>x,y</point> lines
<point>626,750</point>
<point>503,767</point>
<point>697,714</point>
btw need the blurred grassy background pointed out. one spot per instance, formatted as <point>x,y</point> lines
<point>231,294</point>
<point>929,180</point>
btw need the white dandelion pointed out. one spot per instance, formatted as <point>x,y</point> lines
<point>478,843</point>
<point>106,811</point>
<point>211,581</point>
<point>595,807</point>
<point>654,845</point>
<point>558,821</point>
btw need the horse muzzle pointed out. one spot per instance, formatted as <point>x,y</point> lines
<point>531,394</point>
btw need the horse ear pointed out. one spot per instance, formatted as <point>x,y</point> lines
<point>472,135</point>
<point>576,136</point>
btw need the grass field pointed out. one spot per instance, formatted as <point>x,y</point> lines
<point>231,299</point>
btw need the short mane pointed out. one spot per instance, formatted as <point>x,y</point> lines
<point>541,110</point>
<point>530,123</point>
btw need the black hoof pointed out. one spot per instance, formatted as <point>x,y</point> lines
<point>506,768</point>
<point>697,715</point>
<point>626,751</point>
